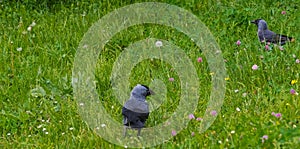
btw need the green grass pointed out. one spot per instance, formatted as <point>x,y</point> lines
<point>37,96</point>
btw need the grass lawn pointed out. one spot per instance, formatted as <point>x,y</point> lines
<point>39,41</point>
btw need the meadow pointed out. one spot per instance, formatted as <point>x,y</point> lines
<point>39,40</point>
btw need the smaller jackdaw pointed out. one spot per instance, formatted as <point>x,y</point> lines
<point>265,35</point>
<point>136,110</point>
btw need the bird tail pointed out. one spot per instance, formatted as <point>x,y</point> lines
<point>291,39</point>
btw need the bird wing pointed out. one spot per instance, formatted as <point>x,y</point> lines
<point>272,37</point>
<point>134,119</point>
<point>268,36</point>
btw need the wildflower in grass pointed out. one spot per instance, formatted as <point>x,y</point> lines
<point>294,56</point>
<point>173,133</point>
<point>191,116</point>
<point>244,94</point>
<point>171,79</point>
<point>261,57</point>
<point>238,109</point>
<point>293,82</point>
<point>211,73</point>
<point>213,112</point>
<point>297,61</point>
<point>267,47</point>
<point>193,134</point>
<point>238,42</point>
<point>8,134</point>
<point>264,137</point>
<point>254,67</point>
<point>44,129</point>
<point>232,132</point>
<point>278,115</point>
<point>29,28</point>
<point>226,79</point>
<point>236,90</point>
<point>71,128</point>
<point>281,48</point>
<point>103,125</point>
<point>158,43</point>
<point>85,46</point>
<point>283,12</point>
<point>199,119</point>
<point>292,91</point>
<point>273,113</point>
<point>81,104</point>
<point>62,133</point>
<point>220,142</point>
<point>19,49</point>
<point>200,59</point>
<point>46,132</point>
<point>33,24</point>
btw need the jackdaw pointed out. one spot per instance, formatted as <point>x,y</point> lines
<point>265,35</point>
<point>136,110</point>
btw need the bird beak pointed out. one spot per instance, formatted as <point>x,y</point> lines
<point>253,21</point>
<point>151,92</point>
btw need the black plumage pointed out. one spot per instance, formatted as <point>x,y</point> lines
<point>136,110</point>
<point>265,35</point>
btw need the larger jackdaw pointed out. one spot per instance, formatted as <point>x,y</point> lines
<point>136,110</point>
<point>265,35</point>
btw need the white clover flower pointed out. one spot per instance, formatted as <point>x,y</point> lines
<point>29,28</point>
<point>158,43</point>
<point>19,49</point>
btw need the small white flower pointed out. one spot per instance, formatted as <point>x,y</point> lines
<point>103,125</point>
<point>232,132</point>
<point>43,120</point>
<point>33,24</point>
<point>238,109</point>
<point>236,90</point>
<point>97,128</point>
<point>44,129</point>
<point>220,142</point>
<point>46,132</point>
<point>244,94</point>
<point>29,135</point>
<point>39,126</point>
<point>62,133</point>
<point>29,28</point>
<point>60,121</point>
<point>125,146</point>
<point>81,104</point>
<point>227,140</point>
<point>112,107</point>
<point>158,43</point>
<point>294,56</point>
<point>71,128</point>
<point>85,46</point>
<point>19,49</point>
<point>8,134</point>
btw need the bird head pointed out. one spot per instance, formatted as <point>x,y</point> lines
<point>140,92</point>
<point>260,23</point>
